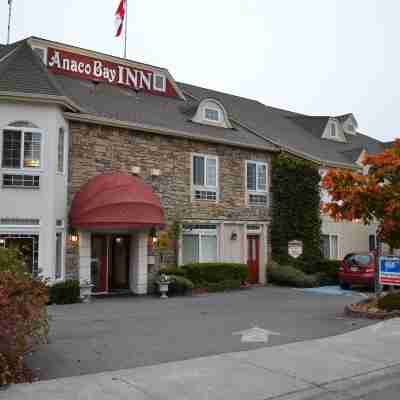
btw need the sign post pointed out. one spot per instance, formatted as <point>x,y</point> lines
<point>389,270</point>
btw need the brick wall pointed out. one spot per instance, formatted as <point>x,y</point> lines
<point>96,149</point>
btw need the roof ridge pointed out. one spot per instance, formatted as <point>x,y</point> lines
<point>98,52</point>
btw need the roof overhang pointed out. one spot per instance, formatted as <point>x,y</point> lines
<point>92,119</point>
<point>41,98</point>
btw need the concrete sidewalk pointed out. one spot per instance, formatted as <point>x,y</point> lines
<point>318,368</point>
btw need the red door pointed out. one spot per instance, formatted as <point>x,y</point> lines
<point>253,258</point>
<point>99,268</point>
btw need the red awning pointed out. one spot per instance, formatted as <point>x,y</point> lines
<point>116,202</point>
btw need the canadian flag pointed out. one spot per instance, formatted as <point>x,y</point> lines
<point>120,17</point>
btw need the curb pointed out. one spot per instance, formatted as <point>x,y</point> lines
<point>382,315</point>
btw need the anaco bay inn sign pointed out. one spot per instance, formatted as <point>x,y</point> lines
<point>97,70</point>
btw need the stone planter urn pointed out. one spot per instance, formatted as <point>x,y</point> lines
<point>163,285</point>
<point>86,291</point>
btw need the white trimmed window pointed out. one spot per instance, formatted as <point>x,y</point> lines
<point>199,244</point>
<point>204,177</point>
<point>333,130</point>
<point>21,148</point>
<point>212,114</point>
<point>330,246</point>
<point>257,183</point>
<point>60,151</point>
<point>159,82</point>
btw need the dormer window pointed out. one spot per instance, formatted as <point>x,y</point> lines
<point>212,112</point>
<point>333,130</point>
<point>159,82</point>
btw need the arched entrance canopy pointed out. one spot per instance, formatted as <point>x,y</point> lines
<point>116,201</point>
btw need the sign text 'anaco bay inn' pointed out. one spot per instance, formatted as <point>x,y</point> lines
<point>89,68</point>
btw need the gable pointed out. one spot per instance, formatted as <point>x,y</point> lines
<point>334,131</point>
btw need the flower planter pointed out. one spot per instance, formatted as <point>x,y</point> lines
<point>163,285</point>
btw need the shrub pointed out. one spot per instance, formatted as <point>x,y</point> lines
<point>286,275</point>
<point>389,302</point>
<point>172,271</point>
<point>12,260</point>
<point>179,285</point>
<point>215,272</point>
<point>23,322</point>
<point>223,285</point>
<point>326,270</point>
<point>67,292</point>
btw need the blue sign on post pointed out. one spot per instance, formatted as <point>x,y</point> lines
<point>389,271</point>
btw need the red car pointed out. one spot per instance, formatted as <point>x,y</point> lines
<point>358,269</point>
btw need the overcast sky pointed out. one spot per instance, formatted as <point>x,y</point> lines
<point>319,57</point>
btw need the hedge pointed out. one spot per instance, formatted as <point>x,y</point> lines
<point>327,270</point>
<point>66,292</point>
<point>295,207</point>
<point>287,275</point>
<point>201,273</point>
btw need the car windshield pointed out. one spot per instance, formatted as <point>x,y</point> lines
<point>361,259</point>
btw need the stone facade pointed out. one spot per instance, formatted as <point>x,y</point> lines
<point>96,149</point>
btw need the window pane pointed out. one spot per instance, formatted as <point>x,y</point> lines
<point>262,177</point>
<point>190,249</point>
<point>251,176</point>
<point>60,164</point>
<point>334,243</point>
<point>58,255</point>
<point>372,242</point>
<point>32,149</point>
<point>208,248</point>
<point>325,248</point>
<point>212,114</point>
<point>333,130</point>
<point>211,172</point>
<point>11,149</point>
<point>198,170</point>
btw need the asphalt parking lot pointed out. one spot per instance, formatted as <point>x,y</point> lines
<point>126,332</point>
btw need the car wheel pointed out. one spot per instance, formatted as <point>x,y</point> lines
<point>344,286</point>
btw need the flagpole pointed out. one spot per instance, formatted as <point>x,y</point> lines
<point>9,20</point>
<point>126,26</point>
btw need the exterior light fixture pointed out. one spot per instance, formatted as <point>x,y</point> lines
<point>153,235</point>
<point>119,240</point>
<point>234,236</point>
<point>74,237</point>
<point>2,242</point>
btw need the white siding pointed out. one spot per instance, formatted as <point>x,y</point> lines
<point>49,202</point>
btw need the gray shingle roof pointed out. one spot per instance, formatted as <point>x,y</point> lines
<point>254,124</point>
<point>23,72</point>
<point>117,103</point>
<point>298,132</point>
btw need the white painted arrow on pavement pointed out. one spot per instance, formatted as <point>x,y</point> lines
<point>255,335</point>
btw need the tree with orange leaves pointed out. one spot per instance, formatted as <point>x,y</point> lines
<point>374,197</point>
